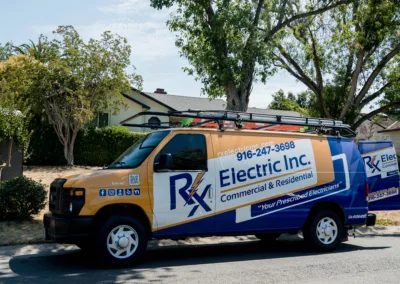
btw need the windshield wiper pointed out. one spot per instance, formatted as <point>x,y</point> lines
<point>120,163</point>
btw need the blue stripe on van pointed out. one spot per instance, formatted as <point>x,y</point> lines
<point>353,201</point>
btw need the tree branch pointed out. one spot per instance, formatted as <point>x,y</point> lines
<point>349,66</point>
<point>302,76</point>
<point>258,12</point>
<point>375,73</point>
<point>219,45</point>
<point>354,81</point>
<point>316,61</point>
<point>279,26</point>
<point>282,11</point>
<point>375,112</point>
<point>300,71</point>
<point>373,96</point>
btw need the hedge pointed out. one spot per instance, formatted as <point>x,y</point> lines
<point>93,146</point>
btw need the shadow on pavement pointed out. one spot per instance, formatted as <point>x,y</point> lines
<point>68,265</point>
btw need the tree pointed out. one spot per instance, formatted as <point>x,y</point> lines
<point>15,82</point>
<point>5,51</point>
<point>302,103</point>
<point>347,57</point>
<point>37,51</point>
<point>77,80</point>
<point>228,42</point>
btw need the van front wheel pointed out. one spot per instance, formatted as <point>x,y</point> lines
<point>121,241</point>
<point>324,231</point>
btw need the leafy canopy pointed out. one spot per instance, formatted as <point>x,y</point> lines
<point>227,43</point>
<point>69,80</point>
<point>15,83</point>
<point>348,57</point>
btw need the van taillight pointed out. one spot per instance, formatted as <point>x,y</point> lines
<point>366,188</point>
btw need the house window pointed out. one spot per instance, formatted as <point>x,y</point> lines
<point>154,121</point>
<point>102,120</point>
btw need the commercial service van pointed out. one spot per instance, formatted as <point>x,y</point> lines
<point>200,181</point>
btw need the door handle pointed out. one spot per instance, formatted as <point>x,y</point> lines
<point>210,194</point>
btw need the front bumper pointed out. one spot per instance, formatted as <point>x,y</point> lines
<point>63,229</point>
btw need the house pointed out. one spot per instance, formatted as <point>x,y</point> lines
<point>393,133</point>
<point>160,101</point>
<point>371,128</point>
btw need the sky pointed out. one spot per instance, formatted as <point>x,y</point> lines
<point>154,53</point>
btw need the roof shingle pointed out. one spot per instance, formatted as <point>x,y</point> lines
<point>203,103</point>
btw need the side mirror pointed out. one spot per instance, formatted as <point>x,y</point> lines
<point>164,163</point>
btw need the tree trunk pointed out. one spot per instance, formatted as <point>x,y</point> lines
<point>69,146</point>
<point>69,154</point>
<point>236,100</point>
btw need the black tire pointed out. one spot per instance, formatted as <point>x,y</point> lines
<point>104,257</point>
<point>268,237</point>
<point>313,238</point>
<point>85,245</point>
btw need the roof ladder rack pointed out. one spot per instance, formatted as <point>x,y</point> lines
<point>242,117</point>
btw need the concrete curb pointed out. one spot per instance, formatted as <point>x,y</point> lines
<point>378,231</point>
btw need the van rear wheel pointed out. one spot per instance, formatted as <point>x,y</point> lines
<point>121,241</point>
<point>324,231</point>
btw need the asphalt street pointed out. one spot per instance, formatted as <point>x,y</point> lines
<point>365,259</point>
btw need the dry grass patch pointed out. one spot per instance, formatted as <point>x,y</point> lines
<point>31,231</point>
<point>21,232</point>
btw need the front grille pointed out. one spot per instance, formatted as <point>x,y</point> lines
<point>57,196</point>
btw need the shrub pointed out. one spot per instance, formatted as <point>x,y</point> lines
<point>101,146</point>
<point>93,146</point>
<point>20,198</point>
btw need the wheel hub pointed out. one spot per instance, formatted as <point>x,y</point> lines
<point>123,242</point>
<point>328,231</point>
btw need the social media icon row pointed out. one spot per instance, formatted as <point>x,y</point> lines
<point>119,192</point>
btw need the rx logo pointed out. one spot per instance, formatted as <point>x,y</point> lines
<point>189,192</point>
<point>370,161</point>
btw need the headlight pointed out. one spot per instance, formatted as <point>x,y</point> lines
<point>73,200</point>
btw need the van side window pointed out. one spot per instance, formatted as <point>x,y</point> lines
<point>188,152</point>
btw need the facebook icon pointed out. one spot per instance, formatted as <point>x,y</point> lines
<point>102,192</point>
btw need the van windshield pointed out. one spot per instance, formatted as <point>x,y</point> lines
<point>138,152</point>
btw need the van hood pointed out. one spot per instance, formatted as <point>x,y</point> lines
<point>97,178</point>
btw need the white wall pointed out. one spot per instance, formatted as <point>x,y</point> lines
<point>131,109</point>
<point>134,108</point>
<point>395,137</point>
<point>368,131</point>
